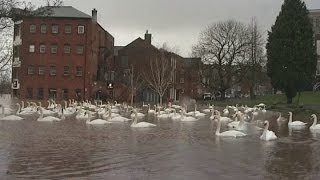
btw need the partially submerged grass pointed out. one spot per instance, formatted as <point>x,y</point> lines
<point>308,103</point>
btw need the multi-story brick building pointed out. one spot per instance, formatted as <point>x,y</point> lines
<point>136,57</point>
<point>62,55</point>
<point>315,19</point>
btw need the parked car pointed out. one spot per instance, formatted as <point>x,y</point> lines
<point>207,96</point>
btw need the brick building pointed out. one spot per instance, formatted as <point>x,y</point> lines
<point>62,55</point>
<point>135,57</point>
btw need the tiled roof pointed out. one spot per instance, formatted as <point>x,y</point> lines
<point>66,11</point>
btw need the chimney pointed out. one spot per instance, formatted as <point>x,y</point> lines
<point>94,15</point>
<point>147,37</point>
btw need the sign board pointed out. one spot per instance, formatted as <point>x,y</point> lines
<point>15,84</point>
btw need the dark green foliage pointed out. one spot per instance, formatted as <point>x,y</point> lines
<point>291,51</point>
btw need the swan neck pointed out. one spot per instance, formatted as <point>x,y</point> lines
<point>314,121</point>
<point>2,107</point>
<point>135,118</point>
<point>218,126</point>
<point>290,118</point>
<point>41,112</point>
<point>19,108</point>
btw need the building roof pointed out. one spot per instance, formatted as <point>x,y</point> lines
<point>64,11</point>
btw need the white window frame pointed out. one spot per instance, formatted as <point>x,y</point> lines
<point>66,30</point>
<point>55,29</point>
<point>42,48</point>
<point>43,28</point>
<point>41,70</point>
<point>33,28</point>
<point>32,48</point>
<point>79,73</point>
<point>54,49</point>
<point>81,29</point>
<point>53,70</point>
<point>30,70</point>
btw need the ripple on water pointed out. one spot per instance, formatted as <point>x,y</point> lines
<point>172,150</point>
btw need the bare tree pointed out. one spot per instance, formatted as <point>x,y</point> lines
<point>135,81</point>
<point>158,76</point>
<point>223,49</point>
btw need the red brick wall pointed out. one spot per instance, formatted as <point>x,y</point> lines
<point>93,38</point>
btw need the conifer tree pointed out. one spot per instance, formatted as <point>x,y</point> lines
<point>291,51</point>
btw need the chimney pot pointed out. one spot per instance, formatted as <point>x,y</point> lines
<point>147,37</point>
<point>94,15</point>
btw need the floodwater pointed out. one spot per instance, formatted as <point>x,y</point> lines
<point>173,150</point>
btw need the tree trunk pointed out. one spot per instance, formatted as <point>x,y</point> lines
<point>223,95</point>
<point>289,100</point>
<point>252,96</point>
<point>160,99</point>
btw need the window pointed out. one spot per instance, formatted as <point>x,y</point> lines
<point>40,93</point>
<point>32,28</point>
<point>67,29</point>
<point>80,29</point>
<point>79,71</point>
<point>43,28</point>
<point>55,29</point>
<point>66,70</point>
<point>29,93</point>
<point>42,48</point>
<point>79,49</point>
<point>32,48</point>
<point>67,48</point>
<point>30,69</point>
<point>41,70</point>
<point>52,93</point>
<point>54,49</point>
<point>78,93</point>
<point>65,94</point>
<point>53,71</point>
<point>181,80</point>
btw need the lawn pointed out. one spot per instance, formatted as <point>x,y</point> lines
<point>309,102</point>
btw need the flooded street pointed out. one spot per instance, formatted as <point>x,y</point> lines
<point>71,149</point>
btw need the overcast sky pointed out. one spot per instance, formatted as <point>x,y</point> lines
<point>176,22</point>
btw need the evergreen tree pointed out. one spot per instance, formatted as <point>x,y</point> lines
<point>291,51</point>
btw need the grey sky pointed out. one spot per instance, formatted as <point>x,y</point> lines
<point>177,22</point>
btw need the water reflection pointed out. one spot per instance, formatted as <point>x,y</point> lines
<point>172,150</point>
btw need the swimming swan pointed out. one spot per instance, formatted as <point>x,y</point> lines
<point>230,133</point>
<point>267,135</point>
<point>10,117</point>
<point>95,121</point>
<point>135,123</point>
<point>47,118</point>
<point>314,125</point>
<point>295,123</point>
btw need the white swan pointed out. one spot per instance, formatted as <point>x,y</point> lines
<point>135,123</point>
<point>151,111</point>
<point>116,118</point>
<point>185,118</point>
<point>295,123</point>
<point>280,118</point>
<point>47,118</point>
<point>10,117</point>
<point>267,135</point>
<point>230,133</point>
<point>314,125</point>
<point>25,112</point>
<point>95,121</point>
